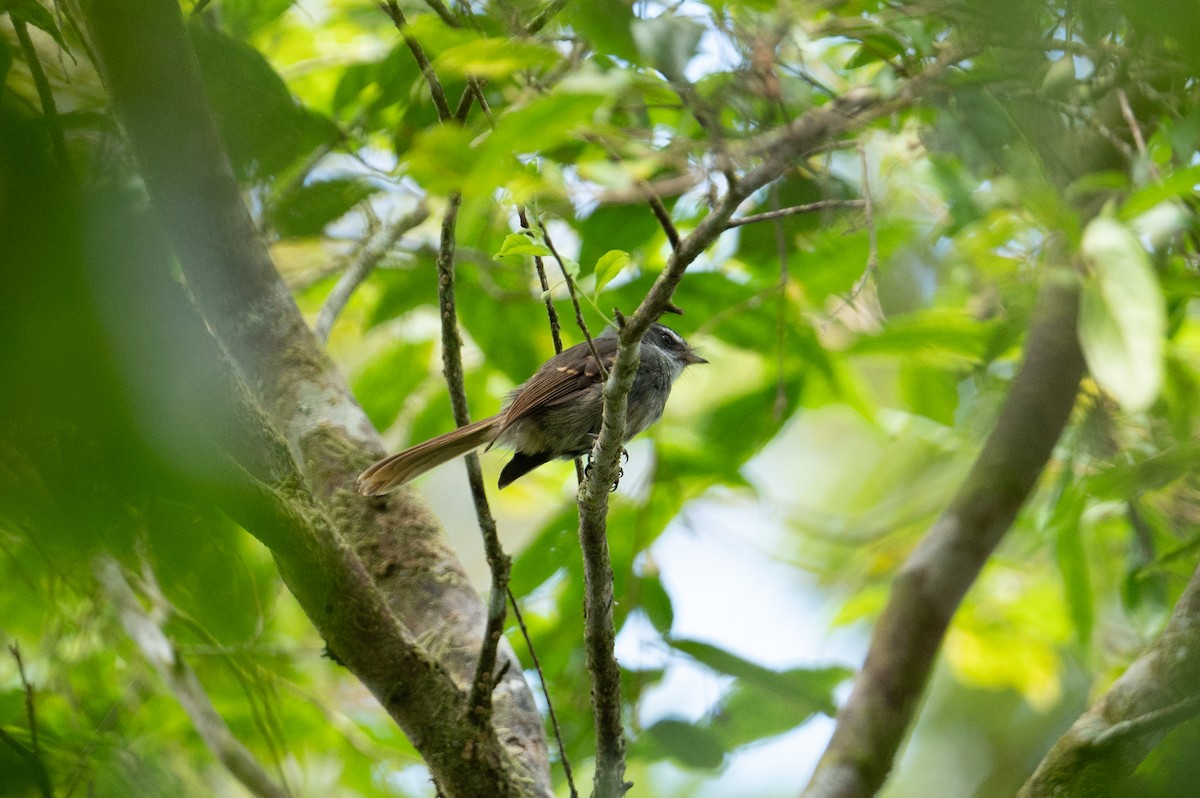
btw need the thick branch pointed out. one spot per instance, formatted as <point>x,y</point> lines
<point>1158,691</point>
<point>928,588</point>
<point>154,83</point>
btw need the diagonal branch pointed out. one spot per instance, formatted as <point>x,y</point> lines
<point>928,588</point>
<point>371,255</point>
<point>392,9</point>
<point>45,94</point>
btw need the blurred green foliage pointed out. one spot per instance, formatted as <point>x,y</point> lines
<point>847,401</point>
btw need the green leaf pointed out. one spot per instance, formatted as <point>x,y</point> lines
<point>1122,319</point>
<point>607,24</point>
<point>495,58</point>
<point>612,227</point>
<point>389,378</point>
<point>611,264</point>
<point>262,126</point>
<point>524,245</point>
<point>933,337</point>
<point>441,158</point>
<point>691,744</point>
<point>668,42</point>
<point>810,687</point>
<point>1065,523</point>
<point>656,603</point>
<point>1176,184</point>
<point>305,211</point>
<point>32,13</point>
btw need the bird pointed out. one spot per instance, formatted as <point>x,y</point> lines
<point>555,414</point>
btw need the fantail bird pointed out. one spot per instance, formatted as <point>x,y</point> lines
<point>556,413</point>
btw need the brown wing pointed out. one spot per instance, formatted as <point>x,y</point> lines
<point>561,379</point>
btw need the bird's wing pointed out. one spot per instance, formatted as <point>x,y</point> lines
<point>561,379</point>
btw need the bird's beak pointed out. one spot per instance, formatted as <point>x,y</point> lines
<point>690,358</point>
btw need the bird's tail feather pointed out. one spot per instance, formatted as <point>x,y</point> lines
<point>392,472</point>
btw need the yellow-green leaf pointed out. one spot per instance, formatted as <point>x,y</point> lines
<point>1122,320</point>
<point>611,264</point>
<point>522,245</point>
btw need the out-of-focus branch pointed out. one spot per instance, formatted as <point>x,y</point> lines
<point>368,258</point>
<point>808,207</point>
<point>147,634</point>
<point>928,588</point>
<point>1156,692</point>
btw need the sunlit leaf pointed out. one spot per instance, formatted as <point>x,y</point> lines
<point>494,58</point>
<point>524,245</point>
<point>1122,321</point>
<point>609,266</point>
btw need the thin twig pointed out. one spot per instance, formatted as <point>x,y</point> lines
<point>45,94</point>
<point>444,13</point>
<point>33,753</point>
<point>483,682</point>
<point>537,665</point>
<point>27,688</point>
<point>368,258</point>
<point>435,86</point>
<point>781,251</point>
<point>649,193</point>
<point>807,207</point>
<point>540,266</point>
<point>661,213</point>
<point>574,299</point>
<point>1135,129</point>
<point>869,217</point>
<point>547,14</point>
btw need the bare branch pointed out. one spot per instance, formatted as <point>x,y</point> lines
<point>808,207</point>
<point>562,266</point>
<point>548,13</point>
<point>368,258</point>
<point>483,682</point>
<point>540,266</point>
<point>392,9</point>
<point>445,14</point>
<point>537,665</point>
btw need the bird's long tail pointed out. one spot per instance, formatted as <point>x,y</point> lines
<point>392,472</point>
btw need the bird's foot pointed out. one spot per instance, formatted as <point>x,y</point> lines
<point>587,469</point>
